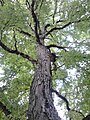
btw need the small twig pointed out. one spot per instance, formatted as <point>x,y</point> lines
<point>23,32</point>
<point>60,65</point>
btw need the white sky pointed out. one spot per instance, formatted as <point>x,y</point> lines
<point>60,110</point>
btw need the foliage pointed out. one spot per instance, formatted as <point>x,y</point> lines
<point>16,26</point>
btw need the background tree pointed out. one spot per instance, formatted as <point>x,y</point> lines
<point>42,41</point>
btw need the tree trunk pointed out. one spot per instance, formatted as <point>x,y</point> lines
<point>41,101</point>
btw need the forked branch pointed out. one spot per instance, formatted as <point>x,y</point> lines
<point>31,8</point>
<point>6,48</point>
<point>64,26</point>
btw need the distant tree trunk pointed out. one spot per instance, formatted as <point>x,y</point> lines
<point>41,101</point>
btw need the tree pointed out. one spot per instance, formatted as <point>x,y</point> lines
<point>30,32</point>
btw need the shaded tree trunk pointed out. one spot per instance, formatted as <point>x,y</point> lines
<point>41,101</point>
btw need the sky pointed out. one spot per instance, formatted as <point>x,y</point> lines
<point>60,110</point>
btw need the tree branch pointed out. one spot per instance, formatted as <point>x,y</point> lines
<point>58,28</point>
<point>4,109</point>
<point>24,32</point>
<point>67,103</point>
<point>17,52</point>
<point>59,47</point>
<point>36,22</point>
<point>14,37</point>
<point>63,98</point>
<point>64,26</point>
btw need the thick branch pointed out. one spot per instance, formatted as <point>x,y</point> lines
<point>4,109</point>
<point>36,22</point>
<point>63,98</point>
<point>66,101</point>
<point>17,52</point>
<point>53,45</point>
<point>58,28</point>
<point>64,26</point>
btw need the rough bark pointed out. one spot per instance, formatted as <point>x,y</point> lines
<point>41,101</point>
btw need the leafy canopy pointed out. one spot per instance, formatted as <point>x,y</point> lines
<point>16,32</point>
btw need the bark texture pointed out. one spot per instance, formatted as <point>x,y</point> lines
<point>41,101</point>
